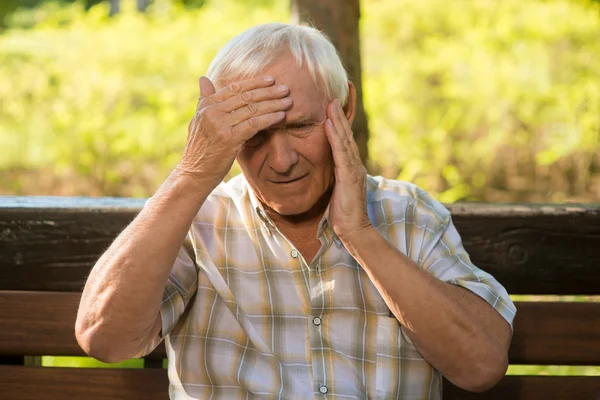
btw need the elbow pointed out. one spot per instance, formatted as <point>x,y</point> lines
<point>98,344</point>
<point>484,374</point>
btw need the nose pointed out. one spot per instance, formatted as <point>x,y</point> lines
<point>282,156</point>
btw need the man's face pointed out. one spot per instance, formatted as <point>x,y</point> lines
<point>290,165</point>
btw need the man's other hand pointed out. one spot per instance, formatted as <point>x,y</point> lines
<point>348,214</point>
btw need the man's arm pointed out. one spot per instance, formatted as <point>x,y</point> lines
<point>455,330</point>
<point>119,310</point>
<point>460,334</point>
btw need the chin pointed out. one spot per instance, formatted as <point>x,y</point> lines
<point>291,206</point>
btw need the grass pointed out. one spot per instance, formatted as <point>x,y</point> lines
<point>88,362</point>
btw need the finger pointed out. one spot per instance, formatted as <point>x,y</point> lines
<point>337,119</point>
<point>206,87</point>
<point>250,127</point>
<point>235,88</point>
<point>255,109</point>
<point>332,116</point>
<point>342,126</point>
<point>336,144</point>
<point>343,117</point>
<point>346,150</point>
<point>254,96</point>
<point>341,160</point>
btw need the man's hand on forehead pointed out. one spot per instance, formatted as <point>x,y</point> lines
<point>224,120</point>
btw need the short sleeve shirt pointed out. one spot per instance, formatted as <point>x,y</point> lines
<point>244,316</point>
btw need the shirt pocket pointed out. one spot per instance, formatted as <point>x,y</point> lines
<point>400,371</point>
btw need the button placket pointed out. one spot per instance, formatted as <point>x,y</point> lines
<point>319,362</point>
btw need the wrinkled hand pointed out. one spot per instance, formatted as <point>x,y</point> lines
<point>348,214</point>
<point>224,120</point>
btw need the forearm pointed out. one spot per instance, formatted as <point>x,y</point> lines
<point>122,296</point>
<point>455,330</point>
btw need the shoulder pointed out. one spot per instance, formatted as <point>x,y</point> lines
<point>225,198</point>
<point>405,198</point>
<point>233,189</point>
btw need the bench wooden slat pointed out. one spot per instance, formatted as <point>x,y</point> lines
<point>34,383</point>
<point>533,388</point>
<point>49,328</point>
<point>51,243</point>
<point>545,333</point>
<point>556,333</point>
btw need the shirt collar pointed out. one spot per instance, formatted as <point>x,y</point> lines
<point>258,209</point>
<point>324,226</point>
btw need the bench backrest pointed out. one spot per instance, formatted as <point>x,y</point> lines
<point>48,245</point>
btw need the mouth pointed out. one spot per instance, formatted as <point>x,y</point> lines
<point>288,181</point>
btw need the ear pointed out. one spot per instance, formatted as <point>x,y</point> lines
<point>350,106</point>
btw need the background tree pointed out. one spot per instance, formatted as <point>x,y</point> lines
<point>90,3</point>
<point>115,7</point>
<point>339,20</point>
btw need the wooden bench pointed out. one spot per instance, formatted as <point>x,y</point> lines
<point>48,245</point>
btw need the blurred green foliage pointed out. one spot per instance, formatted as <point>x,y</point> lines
<point>101,105</point>
<point>87,362</point>
<point>495,101</point>
<point>9,7</point>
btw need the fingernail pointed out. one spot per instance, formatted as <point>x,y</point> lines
<point>269,79</point>
<point>286,100</point>
<point>329,122</point>
<point>282,88</point>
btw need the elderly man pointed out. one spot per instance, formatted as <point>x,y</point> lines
<point>303,277</point>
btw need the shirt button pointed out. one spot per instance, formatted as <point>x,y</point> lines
<point>294,253</point>
<point>323,389</point>
<point>317,321</point>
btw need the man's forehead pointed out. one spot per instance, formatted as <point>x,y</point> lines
<point>308,100</point>
<point>301,116</point>
<point>298,79</point>
<point>305,111</point>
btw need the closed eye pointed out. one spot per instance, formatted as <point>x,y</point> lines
<point>256,140</point>
<point>300,128</point>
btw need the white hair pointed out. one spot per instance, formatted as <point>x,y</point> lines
<point>250,52</point>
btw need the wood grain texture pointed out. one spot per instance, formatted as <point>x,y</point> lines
<point>534,249</point>
<point>42,323</point>
<point>556,333</point>
<point>533,388</point>
<point>545,333</point>
<point>52,243</point>
<point>34,383</point>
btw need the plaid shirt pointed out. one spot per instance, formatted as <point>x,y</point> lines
<point>245,316</point>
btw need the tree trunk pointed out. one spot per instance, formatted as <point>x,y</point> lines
<point>338,19</point>
<point>115,7</point>
<point>91,3</point>
<point>142,5</point>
